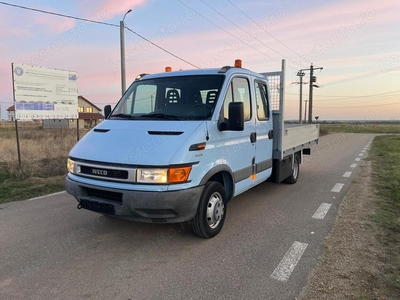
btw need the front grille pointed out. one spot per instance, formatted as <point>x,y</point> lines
<point>104,194</point>
<point>102,172</point>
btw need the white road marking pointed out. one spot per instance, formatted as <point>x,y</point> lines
<point>353,165</point>
<point>358,159</point>
<point>289,262</point>
<point>363,151</point>
<point>361,154</point>
<point>45,196</point>
<point>346,174</point>
<point>337,188</point>
<point>322,211</point>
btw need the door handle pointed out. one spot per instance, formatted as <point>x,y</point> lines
<point>253,137</point>
<point>270,134</point>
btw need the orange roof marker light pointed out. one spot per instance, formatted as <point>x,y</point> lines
<point>238,63</point>
<point>168,69</point>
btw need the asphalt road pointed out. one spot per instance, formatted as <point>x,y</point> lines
<point>270,242</point>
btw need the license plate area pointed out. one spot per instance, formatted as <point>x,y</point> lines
<point>99,207</point>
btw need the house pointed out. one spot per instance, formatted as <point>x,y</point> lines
<point>11,113</point>
<point>88,113</point>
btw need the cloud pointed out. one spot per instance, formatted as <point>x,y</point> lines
<point>10,30</point>
<point>113,8</point>
<point>15,32</point>
<point>53,24</point>
<point>31,24</point>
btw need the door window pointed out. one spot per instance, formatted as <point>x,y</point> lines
<point>239,91</point>
<point>262,101</point>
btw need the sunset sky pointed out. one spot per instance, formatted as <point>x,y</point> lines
<point>357,42</point>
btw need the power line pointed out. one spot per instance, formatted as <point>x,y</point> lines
<point>57,14</point>
<point>280,54</point>
<point>344,107</point>
<point>361,76</point>
<point>98,22</point>
<point>266,30</point>
<point>161,48</point>
<point>359,100</point>
<point>227,31</point>
<point>348,96</point>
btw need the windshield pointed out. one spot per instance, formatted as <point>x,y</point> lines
<point>170,98</point>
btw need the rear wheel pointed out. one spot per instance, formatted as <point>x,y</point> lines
<point>295,171</point>
<point>211,211</point>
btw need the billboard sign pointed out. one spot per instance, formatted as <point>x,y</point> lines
<point>43,93</point>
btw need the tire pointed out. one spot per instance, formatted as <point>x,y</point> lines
<point>211,212</point>
<point>292,179</point>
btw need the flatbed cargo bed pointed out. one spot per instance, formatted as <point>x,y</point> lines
<point>297,137</point>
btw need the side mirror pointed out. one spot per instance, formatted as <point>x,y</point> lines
<point>107,111</point>
<point>236,118</point>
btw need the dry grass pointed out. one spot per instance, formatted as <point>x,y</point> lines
<point>44,153</point>
<point>36,144</point>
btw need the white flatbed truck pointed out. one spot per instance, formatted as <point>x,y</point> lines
<point>180,145</point>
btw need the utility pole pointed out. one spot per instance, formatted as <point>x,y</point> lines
<point>305,110</point>
<point>122,40</point>
<point>301,98</point>
<point>301,74</point>
<point>313,79</point>
<point>310,95</point>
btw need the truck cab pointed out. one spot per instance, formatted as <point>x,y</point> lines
<point>180,145</point>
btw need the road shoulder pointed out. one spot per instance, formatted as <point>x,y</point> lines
<point>354,257</point>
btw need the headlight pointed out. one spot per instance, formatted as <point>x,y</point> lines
<point>167,175</point>
<point>152,175</point>
<point>70,165</point>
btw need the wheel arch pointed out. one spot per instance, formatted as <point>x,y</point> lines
<point>223,175</point>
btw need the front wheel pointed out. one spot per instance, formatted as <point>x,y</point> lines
<point>211,211</point>
<point>295,171</point>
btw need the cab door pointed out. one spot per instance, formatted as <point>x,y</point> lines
<point>264,126</point>
<point>238,147</point>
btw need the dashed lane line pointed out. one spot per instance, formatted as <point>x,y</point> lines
<point>337,188</point>
<point>353,166</point>
<point>322,211</point>
<point>357,159</point>
<point>289,262</point>
<point>346,174</point>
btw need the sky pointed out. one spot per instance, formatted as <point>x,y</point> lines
<point>356,42</point>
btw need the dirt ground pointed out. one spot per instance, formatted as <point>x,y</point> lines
<point>354,261</point>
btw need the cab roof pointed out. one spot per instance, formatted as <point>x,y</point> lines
<point>227,70</point>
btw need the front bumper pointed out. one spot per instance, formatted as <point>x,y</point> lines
<point>150,206</point>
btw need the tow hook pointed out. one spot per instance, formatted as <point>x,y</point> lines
<point>79,206</point>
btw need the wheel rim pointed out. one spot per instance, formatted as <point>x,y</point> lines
<point>295,169</point>
<point>215,210</point>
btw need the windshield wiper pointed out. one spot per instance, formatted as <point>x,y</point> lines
<point>160,116</point>
<point>124,116</point>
